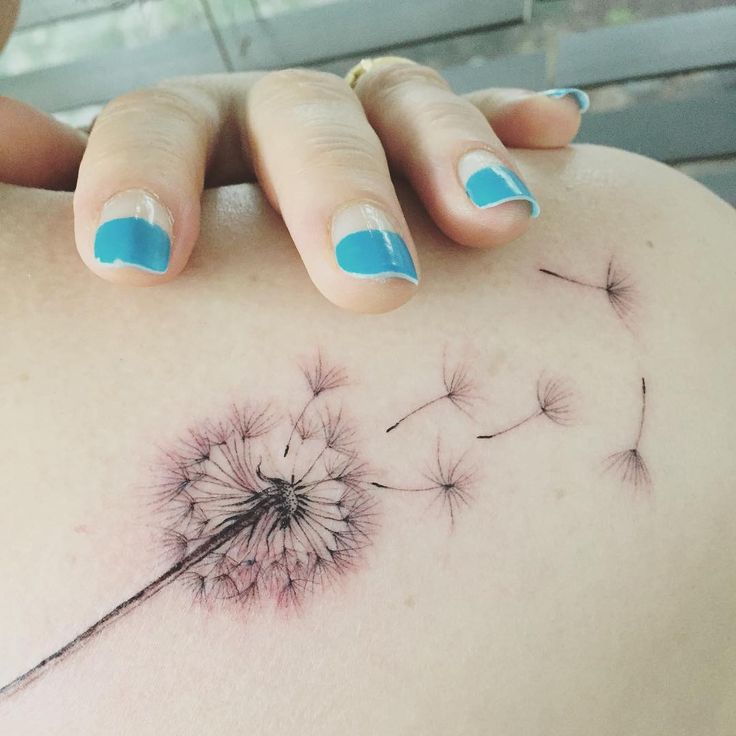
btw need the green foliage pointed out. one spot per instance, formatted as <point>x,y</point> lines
<point>620,16</point>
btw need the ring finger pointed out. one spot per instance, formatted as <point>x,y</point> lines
<point>444,145</point>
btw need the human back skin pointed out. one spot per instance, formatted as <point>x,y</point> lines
<point>556,586</point>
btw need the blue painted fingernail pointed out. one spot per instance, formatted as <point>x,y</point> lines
<point>577,94</point>
<point>368,246</point>
<point>489,183</point>
<point>134,231</point>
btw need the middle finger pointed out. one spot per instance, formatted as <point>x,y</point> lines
<point>324,169</point>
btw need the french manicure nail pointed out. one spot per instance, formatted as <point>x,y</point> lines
<point>367,245</point>
<point>577,94</point>
<point>489,183</point>
<point>134,230</point>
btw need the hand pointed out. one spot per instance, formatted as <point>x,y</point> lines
<point>323,154</point>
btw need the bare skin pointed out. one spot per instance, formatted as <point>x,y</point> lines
<point>561,595</point>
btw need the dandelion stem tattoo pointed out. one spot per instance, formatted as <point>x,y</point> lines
<point>175,571</point>
<point>618,288</point>
<point>458,391</point>
<point>554,401</point>
<point>244,523</point>
<point>629,464</point>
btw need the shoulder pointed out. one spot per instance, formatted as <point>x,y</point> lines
<point>610,175</point>
<point>676,234</point>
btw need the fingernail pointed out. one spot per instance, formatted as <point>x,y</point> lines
<point>577,94</point>
<point>367,245</point>
<point>489,183</point>
<point>134,230</point>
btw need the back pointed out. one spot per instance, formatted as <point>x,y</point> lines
<point>505,508</point>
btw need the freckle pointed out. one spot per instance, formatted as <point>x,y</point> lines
<point>410,601</point>
<point>560,493</point>
<point>650,243</point>
<point>81,529</point>
<point>23,377</point>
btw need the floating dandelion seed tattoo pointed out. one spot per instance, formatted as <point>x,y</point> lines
<point>247,524</point>
<point>319,378</point>
<point>554,401</point>
<point>619,289</point>
<point>629,464</point>
<point>450,480</point>
<point>459,391</point>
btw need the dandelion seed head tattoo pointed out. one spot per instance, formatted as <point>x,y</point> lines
<point>448,479</point>
<point>294,523</point>
<point>320,378</point>
<point>629,464</point>
<point>618,287</point>
<point>459,390</point>
<point>555,401</point>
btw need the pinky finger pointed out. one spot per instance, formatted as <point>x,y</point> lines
<point>525,119</point>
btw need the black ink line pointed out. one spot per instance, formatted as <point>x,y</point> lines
<point>571,280</point>
<point>404,490</point>
<point>418,409</point>
<point>513,426</point>
<point>177,569</point>
<point>643,411</point>
<point>296,423</point>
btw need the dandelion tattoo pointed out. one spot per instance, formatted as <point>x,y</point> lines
<point>266,505</point>
<point>619,289</point>
<point>449,479</point>
<point>247,524</point>
<point>554,401</point>
<point>629,464</point>
<point>459,391</point>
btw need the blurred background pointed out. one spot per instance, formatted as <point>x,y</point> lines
<point>661,73</point>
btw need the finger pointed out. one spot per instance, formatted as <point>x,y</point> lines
<point>323,167</point>
<point>38,150</point>
<point>137,201</point>
<point>446,148</point>
<point>8,16</point>
<point>524,119</point>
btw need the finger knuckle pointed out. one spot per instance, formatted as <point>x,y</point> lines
<point>158,129</point>
<point>341,152</point>
<point>393,79</point>
<point>187,107</point>
<point>289,87</point>
<point>446,114</point>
